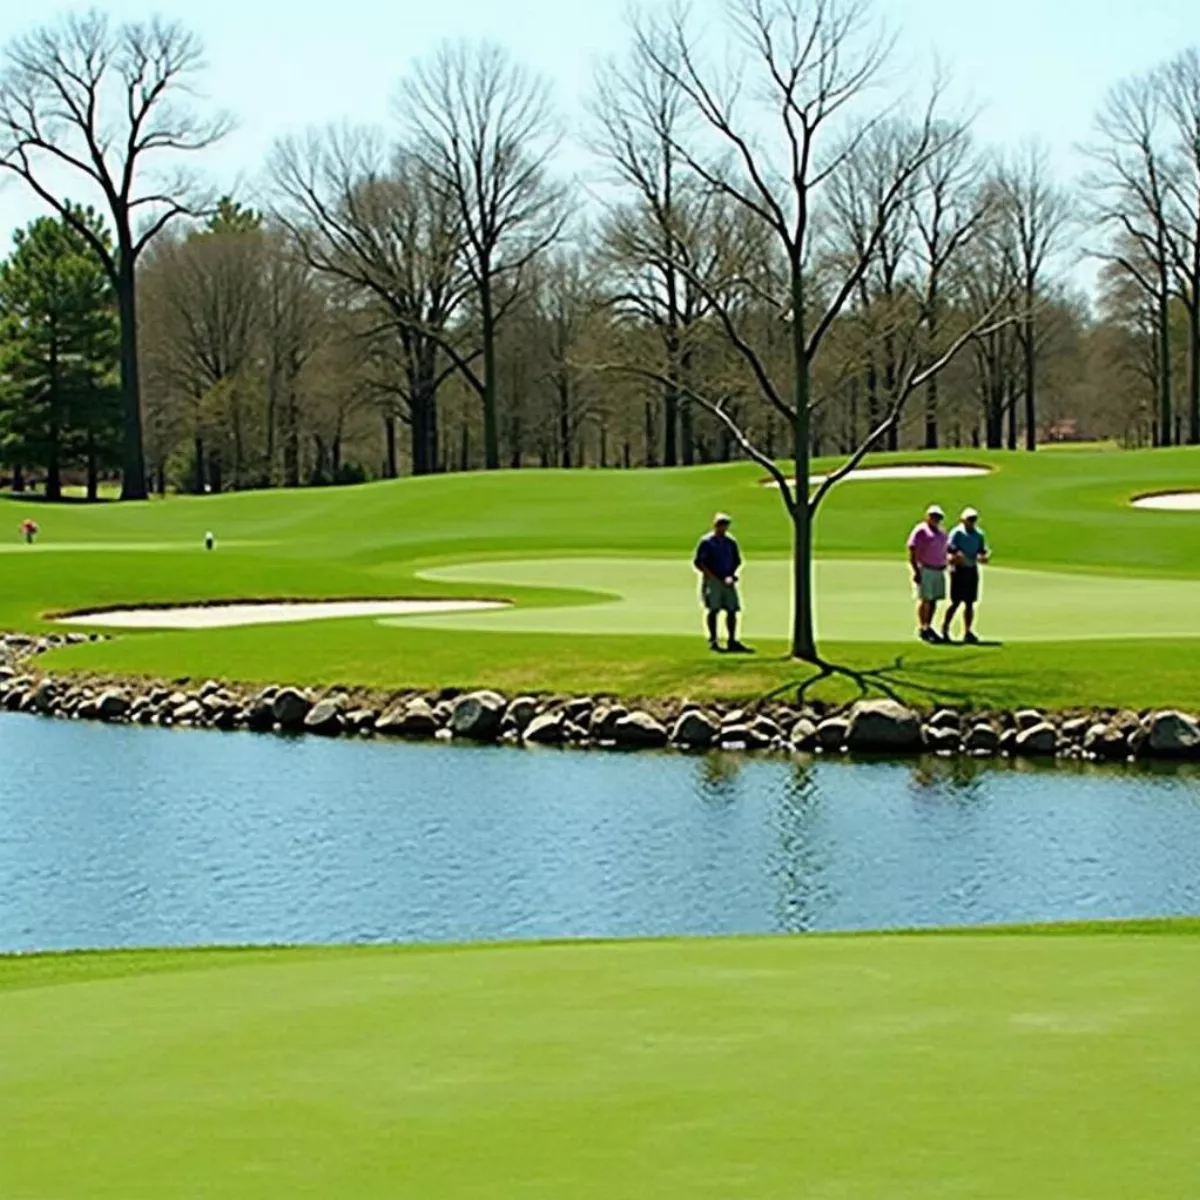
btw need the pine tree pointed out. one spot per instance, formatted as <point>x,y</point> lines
<point>59,347</point>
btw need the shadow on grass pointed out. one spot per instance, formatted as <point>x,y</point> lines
<point>956,680</point>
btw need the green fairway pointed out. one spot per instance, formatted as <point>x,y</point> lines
<point>974,1066</point>
<point>1095,602</point>
<point>858,600</point>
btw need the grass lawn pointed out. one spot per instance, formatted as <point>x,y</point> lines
<point>1059,1064</point>
<point>1095,602</point>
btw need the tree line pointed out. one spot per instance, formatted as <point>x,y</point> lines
<point>766,260</point>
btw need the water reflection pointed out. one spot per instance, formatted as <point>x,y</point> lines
<point>115,837</point>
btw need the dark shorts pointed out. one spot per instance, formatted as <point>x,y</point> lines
<point>964,585</point>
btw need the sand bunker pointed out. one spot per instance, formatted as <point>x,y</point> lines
<point>1171,502</point>
<point>225,616</point>
<point>912,471</point>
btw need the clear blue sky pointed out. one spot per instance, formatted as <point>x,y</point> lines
<point>1037,67</point>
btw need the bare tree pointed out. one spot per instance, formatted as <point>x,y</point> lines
<point>381,223</point>
<point>811,63</point>
<point>483,127</point>
<point>949,208</point>
<point>104,105</point>
<point>639,114</point>
<point>1037,214</point>
<point>1180,85</point>
<point>1130,187</point>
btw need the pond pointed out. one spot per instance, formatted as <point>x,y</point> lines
<point>126,836</point>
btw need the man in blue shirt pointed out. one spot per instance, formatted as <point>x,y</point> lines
<point>718,560</point>
<point>967,549</point>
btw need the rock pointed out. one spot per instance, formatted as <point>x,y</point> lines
<point>210,688</point>
<point>112,705</point>
<point>804,734</point>
<point>1076,729</point>
<point>1172,735</point>
<point>478,717</point>
<point>520,712</point>
<point>695,729</point>
<point>415,719</point>
<point>45,696</point>
<point>943,739</point>
<point>187,713</point>
<point>982,739</point>
<point>1106,741</point>
<point>738,717</point>
<point>1008,741</point>
<point>87,709</point>
<point>325,717</point>
<point>550,729</point>
<point>884,725</point>
<point>945,718</point>
<point>832,733</point>
<point>260,716</point>
<point>361,720</point>
<point>579,711</point>
<point>289,709</point>
<point>1027,718</point>
<point>604,722</point>
<point>766,729</point>
<point>742,737</point>
<point>639,730</point>
<point>1037,741</point>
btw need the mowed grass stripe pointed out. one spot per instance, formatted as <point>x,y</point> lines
<point>858,601</point>
<point>892,1067</point>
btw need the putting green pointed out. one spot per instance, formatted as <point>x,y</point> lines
<point>978,1067</point>
<point>859,600</point>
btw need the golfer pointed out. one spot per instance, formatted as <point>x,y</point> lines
<point>927,548</point>
<point>718,560</point>
<point>968,548</point>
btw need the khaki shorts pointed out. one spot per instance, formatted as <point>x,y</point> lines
<point>933,584</point>
<point>720,597</point>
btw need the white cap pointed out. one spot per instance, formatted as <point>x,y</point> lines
<point>935,510</point>
<point>722,519</point>
<point>969,514</point>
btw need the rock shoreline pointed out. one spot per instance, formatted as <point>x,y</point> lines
<point>865,727</point>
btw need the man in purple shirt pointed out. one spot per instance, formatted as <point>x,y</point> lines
<point>718,560</point>
<point>927,550</point>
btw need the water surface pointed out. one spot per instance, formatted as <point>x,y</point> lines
<point>146,837</point>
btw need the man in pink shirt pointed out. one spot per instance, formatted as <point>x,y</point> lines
<point>927,549</point>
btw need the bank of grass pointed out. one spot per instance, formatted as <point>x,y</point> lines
<point>978,1065</point>
<point>1061,512</point>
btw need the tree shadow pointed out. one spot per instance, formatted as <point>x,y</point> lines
<point>945,682</point>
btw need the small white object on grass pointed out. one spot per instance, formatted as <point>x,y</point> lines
<point>208,540</point>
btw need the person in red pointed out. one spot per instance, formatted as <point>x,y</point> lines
<point>927,552</point>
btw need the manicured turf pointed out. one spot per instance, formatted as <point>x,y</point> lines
<point>1132,590</point>
<point>967,1066</point>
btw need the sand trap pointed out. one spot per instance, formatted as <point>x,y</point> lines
<point>225,616</point>
<point>1171,502</point>
<point>914,471</point>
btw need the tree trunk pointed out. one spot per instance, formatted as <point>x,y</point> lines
<point>1010,407</point>
<point>18,482</point>
<point>671,426</point>
<point>1193,311</point>
<point>133,473</point>
<point>804,642</point>
<point>491,432</point>
<point>564,421</point>
<point>389,438</point>
<point>931,388</point>
<point>464,448</point>
<point>198,464</point>
<point>1030,354</point>
<point>215,476</point>
<point>291,441</point>
<point>1165,418</point>
<point>650,434</point>
<point>93,473</point>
